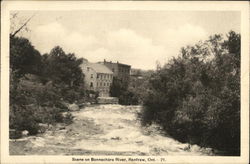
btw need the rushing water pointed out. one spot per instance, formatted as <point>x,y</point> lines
<point>104,130</point>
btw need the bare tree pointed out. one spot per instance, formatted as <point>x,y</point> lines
<point>16,26</point>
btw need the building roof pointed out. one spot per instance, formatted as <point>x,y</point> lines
<point>115,63</point>
<point>99,68</point>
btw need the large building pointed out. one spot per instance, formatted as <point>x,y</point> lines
<point>120,71</point>
<point>98,78</point>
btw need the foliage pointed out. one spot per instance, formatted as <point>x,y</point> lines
<point>196,96</point>
<point>40,85</point>
<point>128,98</point>
<point>33,103</point>
<point>132,92</point>
<point>63,68</point>
<point>120,89</point>
<point>139,85</point>
<point>24,58</point>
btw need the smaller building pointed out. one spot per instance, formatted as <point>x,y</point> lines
<point>121,71</point>
<point>98,78</point>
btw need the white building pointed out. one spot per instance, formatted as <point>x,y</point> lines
<point>98,78</point>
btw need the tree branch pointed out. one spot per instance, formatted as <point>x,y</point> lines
<point>18,30</point>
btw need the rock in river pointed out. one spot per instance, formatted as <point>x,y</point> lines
<point>73,107</point>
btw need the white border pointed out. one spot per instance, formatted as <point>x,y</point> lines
<point>242,6</point>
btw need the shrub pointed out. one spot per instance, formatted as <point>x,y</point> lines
<point>33,103</point>
<point>22,118</point>
<point>128,98</point>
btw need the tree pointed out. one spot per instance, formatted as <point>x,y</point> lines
<point>196,96</point>
<point>24,58</point>
<point>63,68</point>
<point>117,87</point>
<point>121,90</point>
<point>35,100</point>
<point>18,24</point>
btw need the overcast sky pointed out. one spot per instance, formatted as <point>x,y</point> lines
<point>138,38</point>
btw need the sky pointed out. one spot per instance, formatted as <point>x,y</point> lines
<point>137,38</point>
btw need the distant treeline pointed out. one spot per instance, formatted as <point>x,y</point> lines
<point>196,96</point>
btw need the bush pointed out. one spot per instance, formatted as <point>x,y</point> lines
<point>196,98</point>
<point>128,98</point>
<point>22,118</point>
<point>32,103</point>
<point>70,95</point>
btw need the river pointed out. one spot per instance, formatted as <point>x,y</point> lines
<point>104,130</point>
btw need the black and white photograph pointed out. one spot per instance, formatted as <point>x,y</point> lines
<point>121,85</point>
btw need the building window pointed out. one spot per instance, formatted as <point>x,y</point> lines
<point>113,70</point>
<point>87,68</point>
<point>97,76</point>
<point>91,75</point>
<point>97,84</point>
<point>100,83</point>
<point>103,84</point>
<point>91,84</point>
